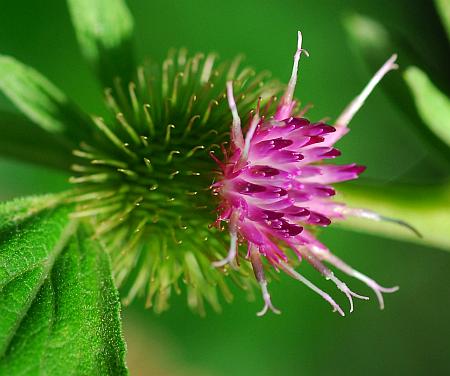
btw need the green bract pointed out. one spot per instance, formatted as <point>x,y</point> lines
<point>144,175</point>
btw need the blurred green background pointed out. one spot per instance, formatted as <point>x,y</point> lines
<point>411,336</point>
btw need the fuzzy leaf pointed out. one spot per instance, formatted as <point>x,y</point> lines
<point>376,43</point>
<point>58,304</point>
<point>433,106</point>
<point>42,102</point>
<point>24,140</point>
<point>104,30</point>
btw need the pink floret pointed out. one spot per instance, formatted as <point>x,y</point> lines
<point>275,187</point>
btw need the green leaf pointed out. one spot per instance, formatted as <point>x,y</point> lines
<point>443,8</point>
<point>24,140</point>
<point>104,30</point>
<point>433,106</point>
<point>426,208</point>
<point>42,102</point>
<point>376,44</point>
<point>58,304</point>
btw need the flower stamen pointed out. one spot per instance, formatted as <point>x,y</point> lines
<point>232,251</point>
<point>248,137</point>
<point>237,137</point>
<point>294,274</point>
<point>369,214</point>
<point>378,289</point>
<point>258,269</point>
<point>329,275</point>
<point>346,290</point>
<point>341,265</point>
<point>357,103</point>
<point>286,105</point>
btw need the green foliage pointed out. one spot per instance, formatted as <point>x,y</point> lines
<point>42,102</point>
<point>104,29</point>
<point>375,42</point>
<point>432,104</point>
<point>24,140</point>
<point>443,8</point>
<point>59,307</point>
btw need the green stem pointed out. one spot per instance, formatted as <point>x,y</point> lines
<point>426,208</point>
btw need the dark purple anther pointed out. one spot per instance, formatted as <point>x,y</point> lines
<point>294,230</point>
<point>314,140</point>
<point>318,219</point>
<point>298,122</point>
<point>324,191</point>
<point>274,144</point>
<point>333,153</point>
<point>244,187</point>
<point>271,215</point>
<point>264,171</point>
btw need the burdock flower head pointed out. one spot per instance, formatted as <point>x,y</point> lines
<point>274,189</point>
<point>143,172</point>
